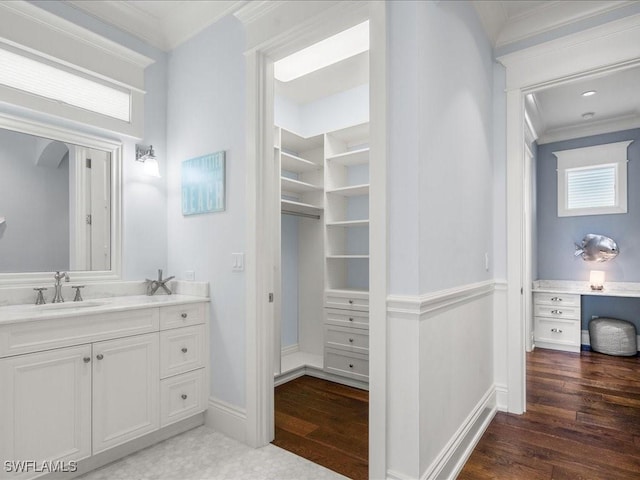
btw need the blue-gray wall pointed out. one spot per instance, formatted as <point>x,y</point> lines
<point>556,236</point>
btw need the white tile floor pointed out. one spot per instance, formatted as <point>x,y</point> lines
<point>203,454</point>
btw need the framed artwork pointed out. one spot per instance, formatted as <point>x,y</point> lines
<point>203,184</point>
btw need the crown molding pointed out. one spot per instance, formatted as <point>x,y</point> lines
<point>252,11</point>
<point>610,125</point>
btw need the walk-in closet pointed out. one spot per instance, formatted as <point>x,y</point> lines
<point>321,146</point>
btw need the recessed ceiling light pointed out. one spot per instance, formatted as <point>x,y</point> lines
<point>588,115</point>
<point>588,93</point>
<point>331,50</point>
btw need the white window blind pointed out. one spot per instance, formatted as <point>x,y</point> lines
<point>591,187</point>
<point>40,78</point>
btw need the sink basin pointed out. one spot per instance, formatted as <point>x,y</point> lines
<point>70,305</point>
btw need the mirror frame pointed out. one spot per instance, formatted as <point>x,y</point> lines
<point>114,147</point>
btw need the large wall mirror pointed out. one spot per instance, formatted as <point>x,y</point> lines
<point>59,203</point>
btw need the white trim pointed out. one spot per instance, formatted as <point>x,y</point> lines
<point>316,372</point>
<point>597,127</point>
<point>458,449</point>
<point>502,395</point>
<point>431,303</point>
<point>227,419</point>
<point>113,147</point>
<point>607,48</point>
<point>290,349</point>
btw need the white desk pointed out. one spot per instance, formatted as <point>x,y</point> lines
<point>556,310</point>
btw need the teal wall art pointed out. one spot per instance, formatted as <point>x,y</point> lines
<point>203,184</point>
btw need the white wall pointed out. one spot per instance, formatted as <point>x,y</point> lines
<point>205,114</point>
<point>441,224</point>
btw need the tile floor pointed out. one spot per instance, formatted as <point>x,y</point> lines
<point>204,454</point>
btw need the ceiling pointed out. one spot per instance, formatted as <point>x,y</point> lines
<point>555,112</point>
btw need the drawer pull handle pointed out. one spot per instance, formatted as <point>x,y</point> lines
<point>351,340</point>
<point>351,319</point>
<point>556,312</point>
<point>184,396</point>
<point>99,356</point>
<point>183,315</point>
<point>556,299</point>
<point>351,365</point>
<point>351,302</point>
<point>184,349</point>
<point>86,359</point>
<point>556,330</point>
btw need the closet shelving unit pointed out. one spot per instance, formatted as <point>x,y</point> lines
<point>301,161</point>
<point>346,335</point>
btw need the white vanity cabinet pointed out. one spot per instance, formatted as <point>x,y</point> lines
<point>45,406</point>
<point>99,381</point>
<point>556,319</point>
<point>125,390</point>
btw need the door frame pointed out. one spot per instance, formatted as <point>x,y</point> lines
<point>597,51</point>
<point>310,22</point>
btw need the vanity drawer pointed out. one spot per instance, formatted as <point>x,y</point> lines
<point>347,364</point>
<point>559,299</point>
<point>557,331</point>
<point>177,316</point>
<point>181,350</point>
<point>38,335</point>
<point>182,396</point>
<point>345,338</point>
<point>553,311</point>
<point>341,318</point>
<point>345,300</point>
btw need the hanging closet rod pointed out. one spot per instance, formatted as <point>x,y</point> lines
<point>298,214</point>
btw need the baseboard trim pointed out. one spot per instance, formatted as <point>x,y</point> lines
<point>227,419</point>
<point>502,398</point>
<point>318,373</point>
<point>453,456</point>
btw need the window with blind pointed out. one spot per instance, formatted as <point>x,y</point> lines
<point>592,180</point>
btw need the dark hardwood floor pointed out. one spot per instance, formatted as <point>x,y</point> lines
<point>582,422</point>
<point>324,422</point>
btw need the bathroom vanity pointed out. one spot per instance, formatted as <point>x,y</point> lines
<point>79,379</point>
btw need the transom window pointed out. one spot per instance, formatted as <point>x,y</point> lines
<point>592,180</point>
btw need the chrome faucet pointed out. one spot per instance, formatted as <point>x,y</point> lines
<point>57,298</point>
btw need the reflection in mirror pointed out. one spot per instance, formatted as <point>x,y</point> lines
<point>56,204</point>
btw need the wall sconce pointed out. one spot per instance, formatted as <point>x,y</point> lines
<point>147,156</point>
<point>596,280</point>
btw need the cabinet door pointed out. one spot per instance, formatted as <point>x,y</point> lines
<point>45,406</point>
<point>126,389</point>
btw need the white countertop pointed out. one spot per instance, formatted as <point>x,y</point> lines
<point>94,306</point>
<point>611,289</point>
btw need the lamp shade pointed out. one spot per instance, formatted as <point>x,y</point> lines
<point>596,279</point>
<point>151,167</point>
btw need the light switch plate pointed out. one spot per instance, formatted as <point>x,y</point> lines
<point>237,262</point>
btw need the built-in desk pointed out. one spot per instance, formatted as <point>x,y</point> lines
<point>556,310</point>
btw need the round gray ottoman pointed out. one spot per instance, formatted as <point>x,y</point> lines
<point>613,336</point>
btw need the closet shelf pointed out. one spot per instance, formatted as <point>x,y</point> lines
<point>296,164</point>
<point>365,257</point>
<point>296,186</point>
<point>299,207</point>
<point>349,223</point>
<point>353,157</point>
<point>351,191</point>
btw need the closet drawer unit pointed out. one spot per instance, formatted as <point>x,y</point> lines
<point>557,333</point>
<point>181,396</point>
<point>552,311</point>
<point>341,318</point>
<point>345,300</point>
<point>558,299</point>
<point>177,316</point>
<point>181,350</point>
<point>345,338</point>
<point>347,364</point>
